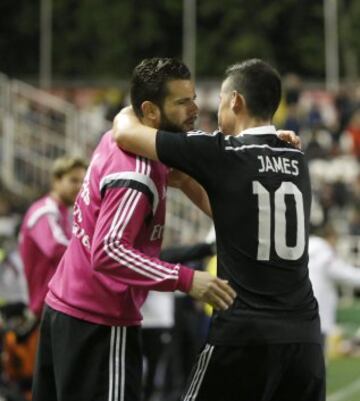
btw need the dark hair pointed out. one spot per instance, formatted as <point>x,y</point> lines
<point>149,80</point>
<point>259,83</point>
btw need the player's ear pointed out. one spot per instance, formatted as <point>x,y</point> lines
<point>151,111</point>
<point>238,102</point>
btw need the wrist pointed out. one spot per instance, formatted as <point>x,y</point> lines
<point>186,276</point>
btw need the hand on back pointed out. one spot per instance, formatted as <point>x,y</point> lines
<point>290,137</point>
<point>212,290</point>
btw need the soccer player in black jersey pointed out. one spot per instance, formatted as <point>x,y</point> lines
<point>267,345</point>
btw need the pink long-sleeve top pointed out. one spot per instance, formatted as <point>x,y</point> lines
<point>112,259</point>
<point>44,235</point>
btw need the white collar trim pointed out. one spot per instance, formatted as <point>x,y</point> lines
<point>263,130</point>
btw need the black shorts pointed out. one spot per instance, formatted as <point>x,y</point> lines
<point>271,372</point>
<point>81,361</point>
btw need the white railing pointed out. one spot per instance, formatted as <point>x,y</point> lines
<point>185,223</point>
<point>35,128</point>
<point>4,107</point>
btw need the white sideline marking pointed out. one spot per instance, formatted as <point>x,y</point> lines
<point>345,392</point>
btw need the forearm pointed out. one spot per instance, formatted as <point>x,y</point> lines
<point>197,194</point>
<point>187,253</point>
<point>131,135</point>
<point>127,265</point>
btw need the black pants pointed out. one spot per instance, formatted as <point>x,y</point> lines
<point>273,372</point>
<point>188,338</point>
<point>81,361</point>
<point>156,343</point>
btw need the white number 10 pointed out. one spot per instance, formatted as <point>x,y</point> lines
<point>281,248</point>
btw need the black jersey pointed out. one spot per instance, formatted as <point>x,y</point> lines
<point>259,190</point>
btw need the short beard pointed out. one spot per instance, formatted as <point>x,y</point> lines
<point>167,125</point>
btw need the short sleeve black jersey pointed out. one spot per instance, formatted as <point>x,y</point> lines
<point>259,190</point>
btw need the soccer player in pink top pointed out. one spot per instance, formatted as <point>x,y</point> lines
<point>89,342</point>
<point>46,229</point>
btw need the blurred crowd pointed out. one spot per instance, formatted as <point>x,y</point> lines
<point>328,124</point>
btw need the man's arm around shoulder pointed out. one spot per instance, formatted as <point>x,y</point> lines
<point>133,136</point>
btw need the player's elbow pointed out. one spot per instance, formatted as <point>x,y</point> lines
<point>99,258</point>
<point>97,262</point>
<point>121,134</point>
<point>106,255</point>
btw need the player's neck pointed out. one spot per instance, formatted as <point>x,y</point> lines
<point>53,194</point>
<point>250,122</point>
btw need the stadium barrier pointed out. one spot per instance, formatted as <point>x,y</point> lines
<point>36,128</point>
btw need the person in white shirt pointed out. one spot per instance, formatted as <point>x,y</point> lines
<point>327,270</point>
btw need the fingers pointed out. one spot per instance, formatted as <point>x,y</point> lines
<point>295,141</point>
<point>212,290</point>
<point>217,303</point>
<point>290,137</point>
<point>225,294</point>
<point>226,287</point>
<point>285,136</point>
<point>219,294</point>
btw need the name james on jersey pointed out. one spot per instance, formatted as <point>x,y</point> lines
<point>277,164</point>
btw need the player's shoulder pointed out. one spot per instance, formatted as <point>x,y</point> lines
<point>208,140</point>
<point>40,208</point>
<point>108,147</point>
<point>200,133</point>
<point>46,202</point>
<point>128,168</point>
<point>108,156</point>
<point>271,144</point>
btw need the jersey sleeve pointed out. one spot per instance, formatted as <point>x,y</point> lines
<point>198,154</point>
<point>114,253</point>
<point>49,236</point>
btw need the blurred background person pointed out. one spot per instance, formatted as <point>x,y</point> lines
<point>46,229</point>
<point>327,271</point>
<point>44,235</point>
